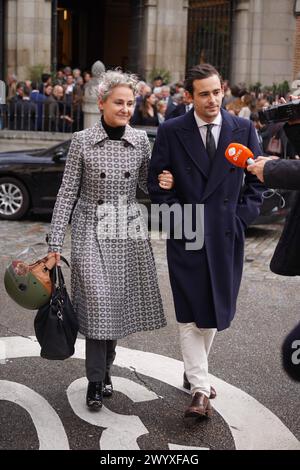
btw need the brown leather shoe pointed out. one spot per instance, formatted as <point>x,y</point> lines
<point>199,407</point>
<point>187,386</point>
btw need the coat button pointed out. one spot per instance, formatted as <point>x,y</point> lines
<point>126,144</point>
<point>138,228</point>
<point>232,170</point>
<point>226,200</point>
<point>102,175</point>
<point>127,174</point>
<point>101,144</point>
<point>100,201</point>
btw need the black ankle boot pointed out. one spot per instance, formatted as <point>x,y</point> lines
<point>94,395</point>
<point>108,386</point>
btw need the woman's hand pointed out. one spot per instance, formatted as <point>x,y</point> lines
<point>166,180</point>
<point>53,259</point>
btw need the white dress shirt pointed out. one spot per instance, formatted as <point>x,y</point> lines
<point>216,129</point>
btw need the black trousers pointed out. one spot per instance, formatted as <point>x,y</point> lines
<point>99,356</point>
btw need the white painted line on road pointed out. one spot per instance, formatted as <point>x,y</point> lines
<point>50,431</point>
<point>122,431</point>
<point>2,352</point>
<point>253,426</point>
<point>136,392</point>
<point>177,447</point>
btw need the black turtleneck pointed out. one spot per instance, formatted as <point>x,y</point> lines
<point>114,133</point>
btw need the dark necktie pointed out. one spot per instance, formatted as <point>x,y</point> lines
<point>210,142</point>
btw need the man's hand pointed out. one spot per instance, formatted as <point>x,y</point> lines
<point>166,180</point>
<point>257,168</point>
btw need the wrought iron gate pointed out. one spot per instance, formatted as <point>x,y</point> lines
<point>210,33</point>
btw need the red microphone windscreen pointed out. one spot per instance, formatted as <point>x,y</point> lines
<point>238,154</point>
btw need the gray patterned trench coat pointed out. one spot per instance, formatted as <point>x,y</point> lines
<point>114,282</point>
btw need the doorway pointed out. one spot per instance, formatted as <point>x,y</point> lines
<point>88,31</point>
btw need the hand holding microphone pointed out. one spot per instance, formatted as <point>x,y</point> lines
<point>240,155</point>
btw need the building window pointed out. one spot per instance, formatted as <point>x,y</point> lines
<point>210,33</point>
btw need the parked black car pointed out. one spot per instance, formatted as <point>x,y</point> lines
<point>29,182</point>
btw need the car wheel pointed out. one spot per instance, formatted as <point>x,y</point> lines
<point>14,199</point>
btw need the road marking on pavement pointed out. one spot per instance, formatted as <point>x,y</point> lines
<point>2,352</point>
<point>122,431</point>
<point>49,428</point>
<point>253,426</point>
<point>177,447</point>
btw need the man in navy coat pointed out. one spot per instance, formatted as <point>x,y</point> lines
<point>205,282</point>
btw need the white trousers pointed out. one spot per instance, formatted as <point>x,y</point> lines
<point>195,346</point>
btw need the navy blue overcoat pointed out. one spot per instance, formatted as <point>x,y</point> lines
<point>205,282</point>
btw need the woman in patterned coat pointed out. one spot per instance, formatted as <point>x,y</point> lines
<point>114,282</point>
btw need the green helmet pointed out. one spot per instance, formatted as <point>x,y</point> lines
<point>29,285</point>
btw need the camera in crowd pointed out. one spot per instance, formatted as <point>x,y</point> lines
<point>280,112</point>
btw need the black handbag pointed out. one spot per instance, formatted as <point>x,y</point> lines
<point>56,324</point>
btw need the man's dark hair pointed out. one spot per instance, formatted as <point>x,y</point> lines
<point>45,76</point>
<point>20,85</point>
<point>199,72</point>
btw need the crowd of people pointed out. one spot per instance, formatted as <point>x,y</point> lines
<point>158,102</point>
<point>55,104</point>
<point>52,104</point>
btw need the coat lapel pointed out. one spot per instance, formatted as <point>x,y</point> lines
<point>230,132</point>
<point>98,134</point>
<point>188,133</point>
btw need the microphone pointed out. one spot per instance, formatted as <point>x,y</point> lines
<point>239,155</point>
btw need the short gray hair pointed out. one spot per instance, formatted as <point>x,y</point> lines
<point>113,78</point>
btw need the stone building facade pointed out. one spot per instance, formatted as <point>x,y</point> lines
<point>262,37</point>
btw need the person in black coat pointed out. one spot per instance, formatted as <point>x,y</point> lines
<point>285,174</point>
<point>22,110</point>
<point>180,109</point>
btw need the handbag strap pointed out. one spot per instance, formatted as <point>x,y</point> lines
<point>57,277</point>
<point>65,261</point>
<point>60,276</point>
<point>53,277</point>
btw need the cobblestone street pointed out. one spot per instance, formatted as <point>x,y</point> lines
<point>259,247</point>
